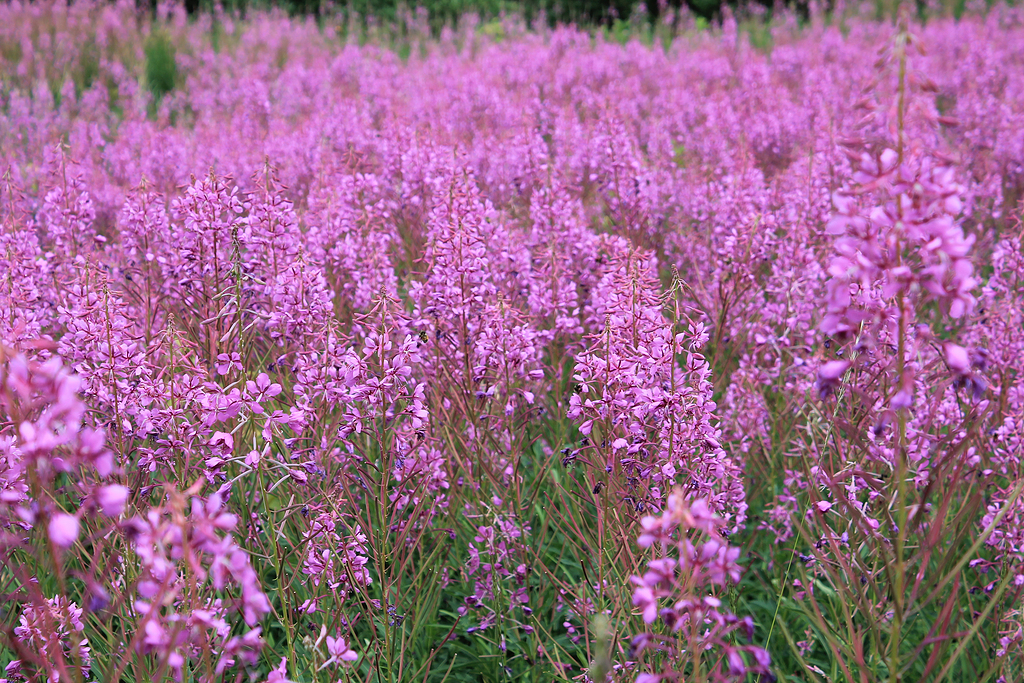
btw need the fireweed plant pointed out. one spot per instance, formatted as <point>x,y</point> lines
<point>336,353</point>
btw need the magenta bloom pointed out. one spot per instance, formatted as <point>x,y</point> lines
<point>280,674</point>
<point>829,376</point>
<point>339,651</point>
<point>112,499</point>
<point>957,358</point>
<point>63,529</point>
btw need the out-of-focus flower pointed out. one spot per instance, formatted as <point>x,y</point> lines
<point>280,674</point>
<point>112,499</point>
<point>829,376</point>
<point>63,529</point>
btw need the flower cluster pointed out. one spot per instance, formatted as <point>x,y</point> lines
<point>678,591</point>
<point>55,632</point>
<point>181,551</point>
<point>653,414</point>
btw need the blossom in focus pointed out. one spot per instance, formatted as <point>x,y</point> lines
<point>339,651</point>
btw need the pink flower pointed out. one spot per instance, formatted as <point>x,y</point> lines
<point>736,664</point>
<point>280,674</point>
<point>226,362</point>
<point>652,531</point>
<point>339,651</point>
<point>253,458</point>
<point>643,597</point>
<point>261,391</point>
<point>63,529</point>
<point>720,562</point>
<point>833,370</point>
<point>829,376</point>
<point>661,573</point>
<point>222,443</point>
<point>112,499</point>
<point>957,358</point>
<point>700,517</point>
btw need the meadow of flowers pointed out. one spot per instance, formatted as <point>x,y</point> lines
<point>336,353</point>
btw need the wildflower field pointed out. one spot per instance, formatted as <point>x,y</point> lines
<point>678,353</point>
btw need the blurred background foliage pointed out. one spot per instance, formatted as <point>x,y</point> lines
<point>447,12</point>
<point>605,13</point>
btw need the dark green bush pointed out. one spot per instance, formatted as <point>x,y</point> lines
<point>161,65</point>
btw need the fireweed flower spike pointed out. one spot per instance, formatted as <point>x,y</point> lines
<point>691,560</point>
<point>631,392</point>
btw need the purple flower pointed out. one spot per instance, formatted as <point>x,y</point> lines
<point>261,391</point>
<point>829,376</point>
<point>643,597</point>
<point>280,674</point>
<point>112,499</point>
<point>339,651</point>
<point>228,362</point>
<point>957,358</point>
<point>63,529</point>
<point>737,667</point>
<point>222,443</point>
